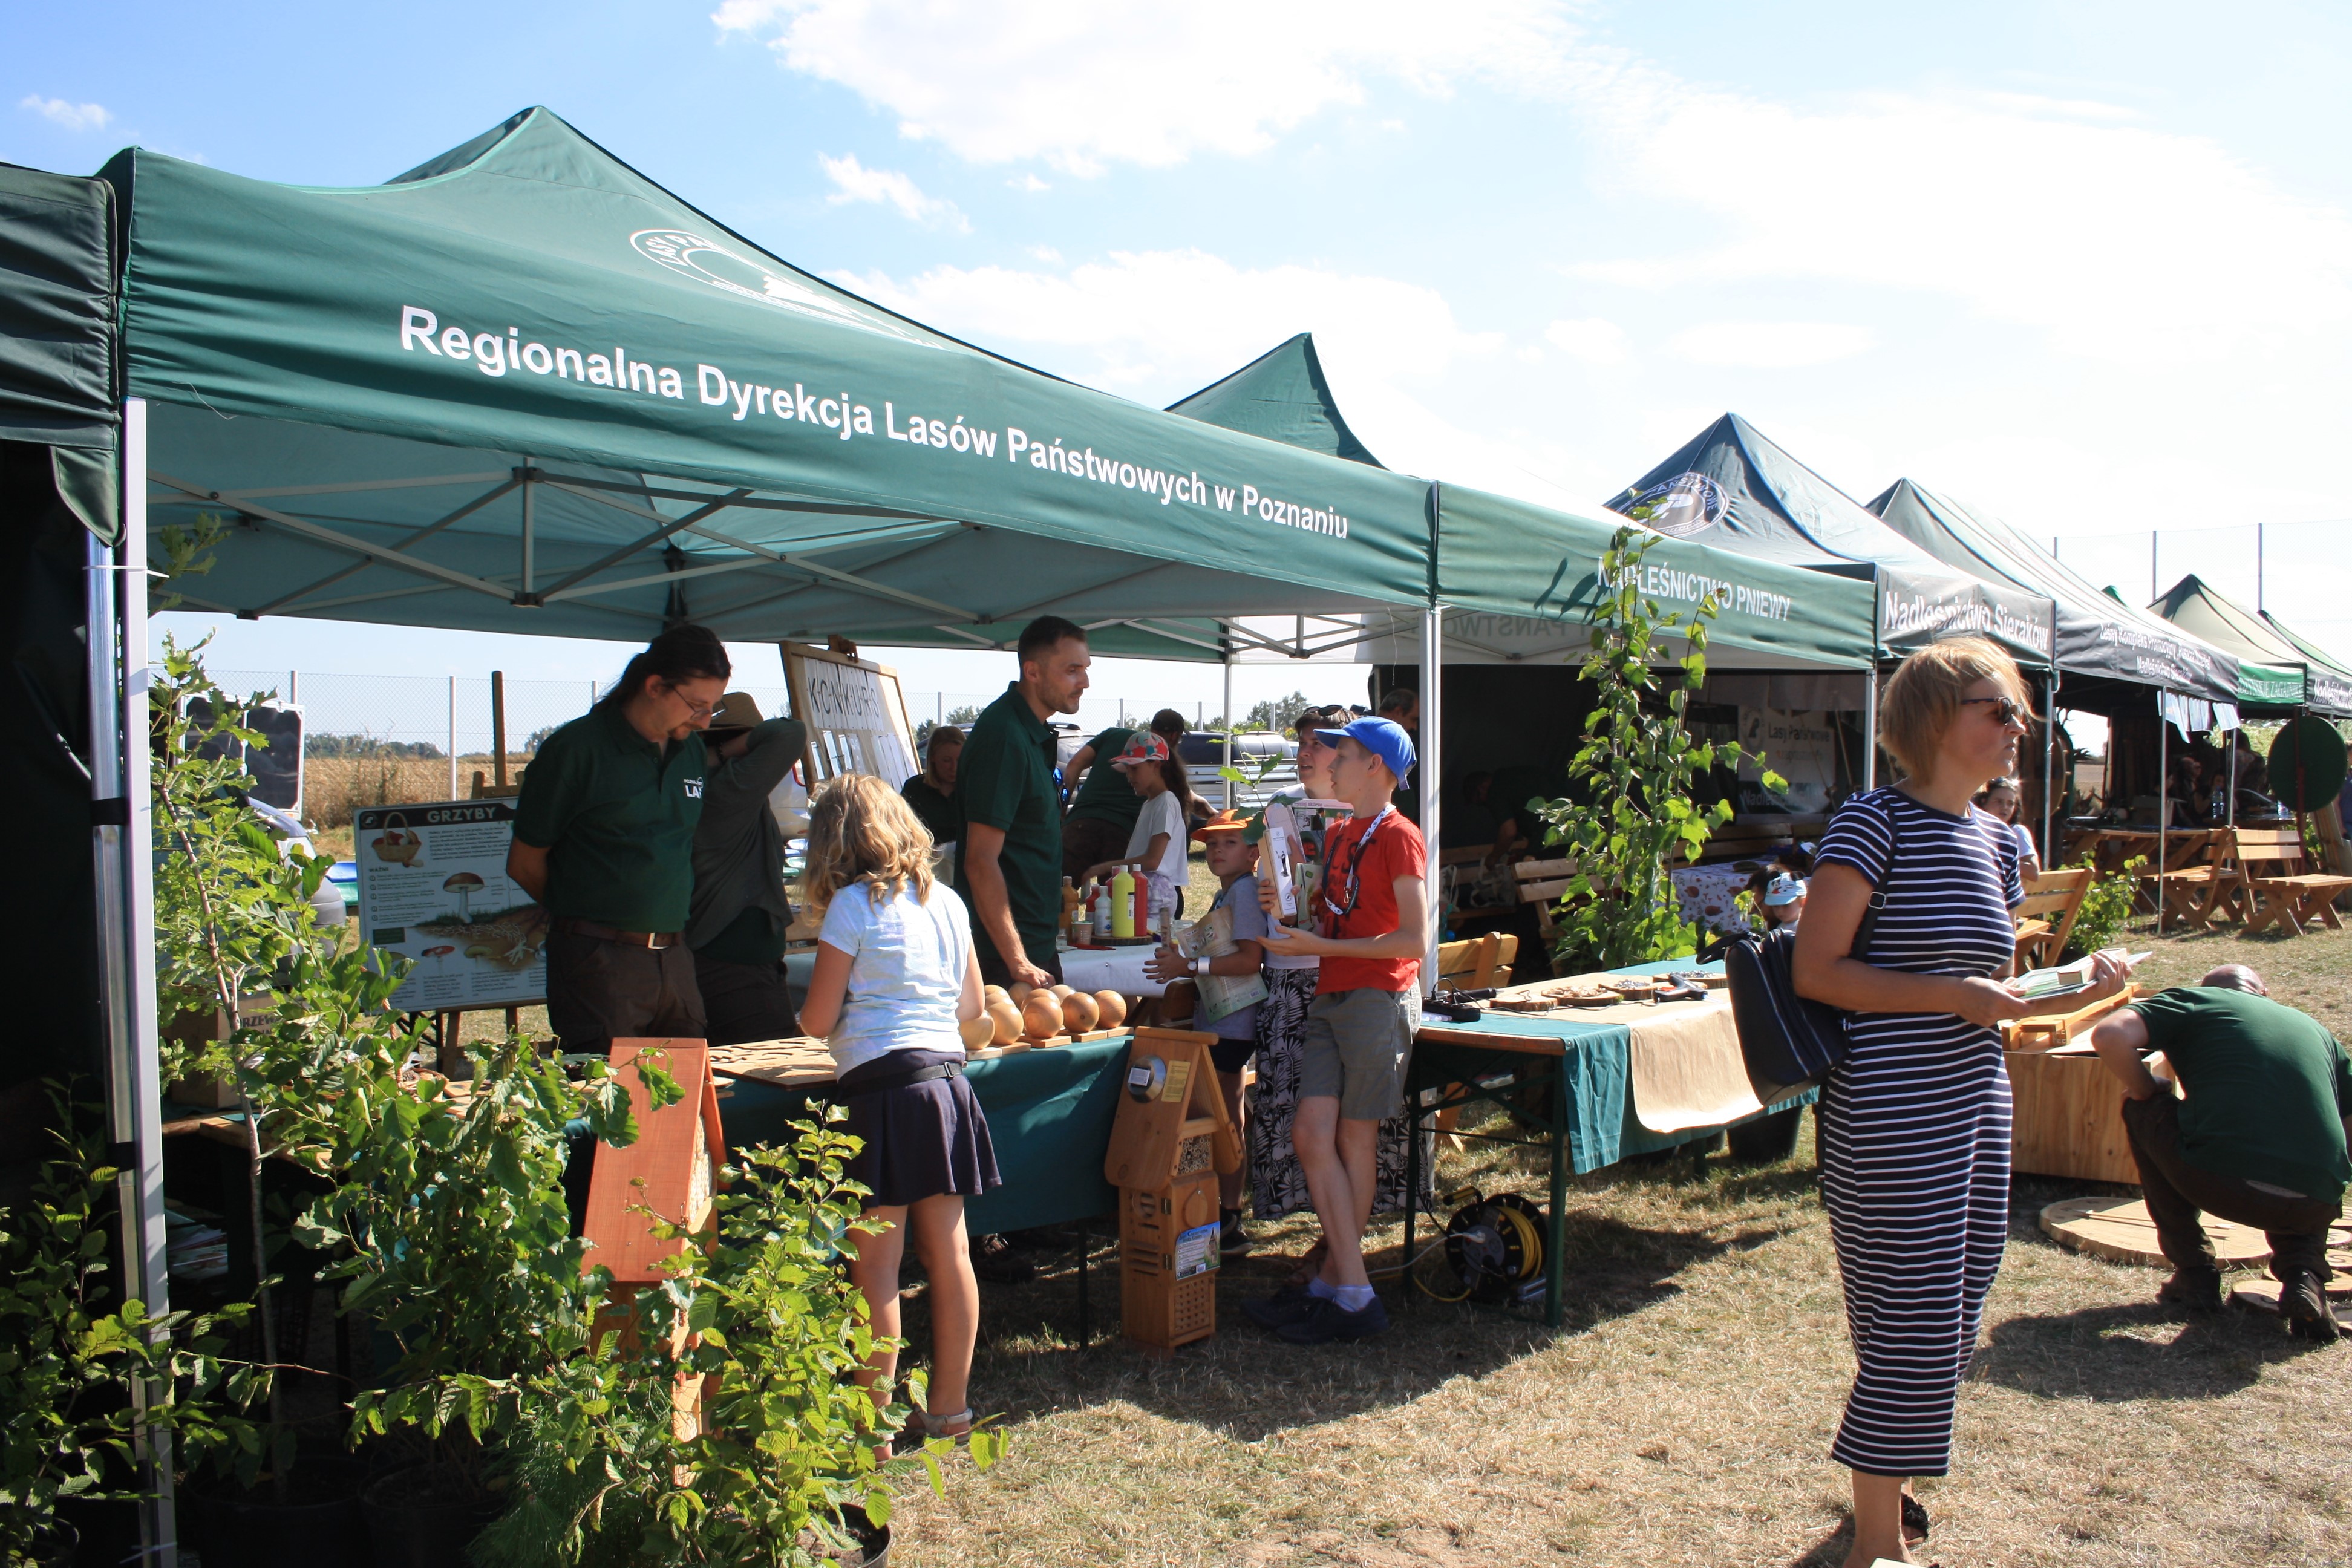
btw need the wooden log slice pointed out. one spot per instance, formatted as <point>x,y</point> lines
<point>2120,1231</point>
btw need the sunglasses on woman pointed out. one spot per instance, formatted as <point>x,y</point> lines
<point>2008,709</point>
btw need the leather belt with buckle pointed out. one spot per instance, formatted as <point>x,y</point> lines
<point>654,940</point>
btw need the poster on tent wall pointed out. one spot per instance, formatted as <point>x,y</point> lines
<point>856,714</point>
<point>434,889</point>
<point>1800,747</point>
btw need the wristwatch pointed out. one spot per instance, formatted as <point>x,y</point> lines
<point>1199,966</point>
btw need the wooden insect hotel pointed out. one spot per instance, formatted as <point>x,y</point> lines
<point>671,1170</point>
<point>1170,1140</point>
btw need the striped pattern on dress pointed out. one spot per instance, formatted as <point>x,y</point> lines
<point>1915,1130</point>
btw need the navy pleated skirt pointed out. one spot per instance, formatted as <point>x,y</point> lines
<point>920,1139</point>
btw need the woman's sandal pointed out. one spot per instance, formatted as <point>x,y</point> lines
<point>1308,1266</point>
<point>1914,1521</point>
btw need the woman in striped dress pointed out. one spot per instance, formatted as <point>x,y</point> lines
<point>1915,1123</point>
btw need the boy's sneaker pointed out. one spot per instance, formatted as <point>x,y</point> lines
<point>1286,1306</point>
<point>1232,1239</point>
<point>1328,1323</point>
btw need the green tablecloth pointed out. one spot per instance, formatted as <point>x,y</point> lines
<point>1049,1115</point>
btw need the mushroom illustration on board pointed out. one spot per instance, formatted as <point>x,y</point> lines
<point>463,884</point>
<point>439,956</point>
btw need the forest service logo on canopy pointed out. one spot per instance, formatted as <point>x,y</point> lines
<point>1680,506</point>
<point>707,261</point>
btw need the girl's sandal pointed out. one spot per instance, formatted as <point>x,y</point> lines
<point>1914,1521</point>
<point>954,1427</point>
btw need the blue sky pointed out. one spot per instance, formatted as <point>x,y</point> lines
<point>2088,267</point>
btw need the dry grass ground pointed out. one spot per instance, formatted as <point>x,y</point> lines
<point>1684,1414</point>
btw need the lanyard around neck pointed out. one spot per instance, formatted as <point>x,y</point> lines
<point>1355,865</point>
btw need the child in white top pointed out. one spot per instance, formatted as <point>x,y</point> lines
<point>1159,846</point>
<point>895,975</point>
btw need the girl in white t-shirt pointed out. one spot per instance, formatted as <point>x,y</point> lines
<point>1159,845</point>
<point>895,975</point>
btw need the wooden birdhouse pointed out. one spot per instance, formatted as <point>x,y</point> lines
<point>1169,1142</point>
<point>671,1169</point>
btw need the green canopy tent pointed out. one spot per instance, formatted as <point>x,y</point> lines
<point>1733,486</point>
<point>1283,395</point>
<point>79,964</point>
<point>2109,653</point>
<point>1517,579</point>
<point>2276,675</point>
<point>524,388</point>
<point>2330,678</point>
<point>2110,659</point>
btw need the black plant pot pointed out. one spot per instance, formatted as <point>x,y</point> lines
<point>318,1522</point>
<point>873,1540</point>
<point>426,1516</point>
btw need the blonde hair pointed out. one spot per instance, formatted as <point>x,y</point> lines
<point>860,828</point>
<point>1923,697</point>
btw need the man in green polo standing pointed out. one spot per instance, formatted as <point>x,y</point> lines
<point>605,838</point>
<point>1009,865</point>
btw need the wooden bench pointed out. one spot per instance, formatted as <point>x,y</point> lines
<point>2280,886</point>
<point>2046,918</point>
<point>2204,890</point>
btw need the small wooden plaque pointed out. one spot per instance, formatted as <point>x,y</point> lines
<point>672,1168</point>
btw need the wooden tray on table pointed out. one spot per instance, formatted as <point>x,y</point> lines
<point>2042,1031</point>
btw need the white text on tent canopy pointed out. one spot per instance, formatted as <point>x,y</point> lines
<point>1905,615</point>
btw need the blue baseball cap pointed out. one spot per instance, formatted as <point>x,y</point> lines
<point>1384,738</point>
<point>1784,891</point>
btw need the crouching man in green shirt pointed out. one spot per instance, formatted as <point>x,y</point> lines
<point>605,838</point>
<point>2259,1139</point>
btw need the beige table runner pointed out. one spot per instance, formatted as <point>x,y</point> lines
<point>1686,1067</point>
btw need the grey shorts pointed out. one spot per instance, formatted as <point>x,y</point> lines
<point>1355,1048</point>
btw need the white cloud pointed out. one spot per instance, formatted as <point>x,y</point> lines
<point>860,183</point>
<point>1029,183</point>
<point>1594,340</point>
<point>1162,323</point>
<point>1046,254</point>
<point>1769,345</point>
<point>2119,242</point>
<point>72,116</point>
<point>1086,85</point>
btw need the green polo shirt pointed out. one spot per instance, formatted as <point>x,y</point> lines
<point>616,814</point>
<point>2264,1089</point>
<point>941,815</point>
<point>1106,796</point>
<point>1006,780</point>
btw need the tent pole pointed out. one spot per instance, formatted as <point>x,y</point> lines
<point>1229,721</point>
<point>1869,729</point>
<point>122,826</point>
<point>2049,747</point>
<point>1431,739</point>
<point>2163,804</point>
<point>453,737</point>
<point>529,517</point>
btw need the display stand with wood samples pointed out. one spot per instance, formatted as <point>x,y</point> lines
<point>1169,1142</point>
<point>856,714</point>
<point>672,1170</point>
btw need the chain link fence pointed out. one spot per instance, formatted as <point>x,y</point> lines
<point>382,740</point>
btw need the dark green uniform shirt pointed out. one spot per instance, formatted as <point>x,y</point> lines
<point>1006,780</point>
<point>1106,796</point>
<point>942,813</point>
<point>616,814</point>
<point>2264,1089</point>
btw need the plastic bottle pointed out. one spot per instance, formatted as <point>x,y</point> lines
<point>1142,916</point>
<point>1123,905</point>
<point>1099,896</point>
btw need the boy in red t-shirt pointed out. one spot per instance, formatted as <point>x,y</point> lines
<point>1374,924</point>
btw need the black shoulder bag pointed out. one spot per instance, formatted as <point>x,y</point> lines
<point>1790,1042</point>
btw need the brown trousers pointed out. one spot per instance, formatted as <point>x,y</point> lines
<point>2176,1191</point>
<point>598,991</point>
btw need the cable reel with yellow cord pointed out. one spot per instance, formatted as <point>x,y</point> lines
<point>1494,1250</point>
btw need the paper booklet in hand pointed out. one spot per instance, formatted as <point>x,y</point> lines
<point>1283,847</point>
<point>2037,983</point>
<point>1222,996</point>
